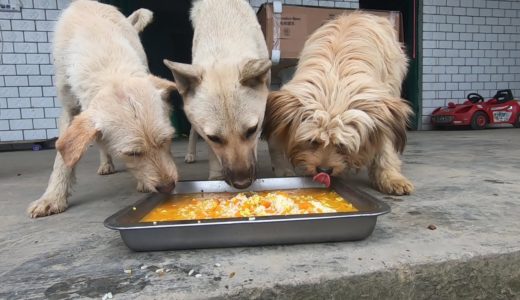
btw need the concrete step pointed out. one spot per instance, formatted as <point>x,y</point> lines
<point>467,185</point>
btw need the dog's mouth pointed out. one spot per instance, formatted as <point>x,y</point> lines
<point>322,178</point>
<point>241,184</point>
<point>240,180</point>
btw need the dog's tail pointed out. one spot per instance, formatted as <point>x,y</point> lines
<point>140,19</point>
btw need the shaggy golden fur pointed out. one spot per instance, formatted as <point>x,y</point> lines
<point>342,110</point>
<point>109,96</point>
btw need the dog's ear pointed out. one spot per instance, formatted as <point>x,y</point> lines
<point>187,77</point>
<point>255,72</point>
<point>282,109</point>
<point>396,119</point>
<point>163,85</point>
<point>140,19</point>
<point>73,143</point>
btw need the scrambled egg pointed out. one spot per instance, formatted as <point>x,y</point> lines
<point>251,204</point>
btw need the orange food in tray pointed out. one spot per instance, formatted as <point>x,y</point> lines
<point>202,206</point>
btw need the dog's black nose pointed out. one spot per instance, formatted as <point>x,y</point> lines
<point>241,184</point>
<point>324,170</point>
<point>166,188</point>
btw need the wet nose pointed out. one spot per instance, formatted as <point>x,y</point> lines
<point>241,183</point>
<point>166,188</point>
<point>327,170</point>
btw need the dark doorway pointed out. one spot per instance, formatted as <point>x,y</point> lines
<point>409,11</point>
<point>169,36</point>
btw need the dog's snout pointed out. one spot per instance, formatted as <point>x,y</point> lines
<point>240,179</point>
<point>327,170</point>
<point>166,188</point>
<point>242,183</point>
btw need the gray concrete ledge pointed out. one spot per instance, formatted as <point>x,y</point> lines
<point>467,185</point>
<point>484,277</point>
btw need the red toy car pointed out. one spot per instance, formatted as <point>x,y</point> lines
<point>478,113</point>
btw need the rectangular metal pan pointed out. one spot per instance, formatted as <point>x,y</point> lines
<point>216,233</point>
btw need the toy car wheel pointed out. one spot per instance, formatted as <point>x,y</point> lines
<point>517,122</point>
<point>479,120</point>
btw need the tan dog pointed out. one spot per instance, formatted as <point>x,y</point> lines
<point>342,110</point>
<point>225,89</point>
<point>107,95</point>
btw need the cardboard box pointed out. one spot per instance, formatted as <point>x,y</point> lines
<point>286,32</point>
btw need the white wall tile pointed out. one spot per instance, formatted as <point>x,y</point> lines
<point>477,53</point>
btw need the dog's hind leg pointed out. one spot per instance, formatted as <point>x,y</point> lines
<point>215,168</point>
<point>140,19</point>
<point>279,162</point>
<point>106,166</point>
<point>385,172</point>
<point>192,147</point>
<point>54,200</point>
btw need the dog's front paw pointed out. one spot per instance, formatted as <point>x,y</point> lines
<point>46,206</point>
<point>396,186</point>
<point>189,158</point>
<point>106,169</point>
<point>141,188</point>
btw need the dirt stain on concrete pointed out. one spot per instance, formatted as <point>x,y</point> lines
<point>84,286</point>
<point>497,181</point>
<point>393,198</point>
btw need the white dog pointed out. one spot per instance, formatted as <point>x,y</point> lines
<point>225,88</point>
<point>107,95</point>
<point>343,108</point>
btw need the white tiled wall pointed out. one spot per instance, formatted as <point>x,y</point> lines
<point>469,46</point>
<point>28,104</point>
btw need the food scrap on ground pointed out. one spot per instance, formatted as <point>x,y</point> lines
<point>107,296</point>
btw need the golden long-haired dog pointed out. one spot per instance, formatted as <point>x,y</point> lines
<point>343,110</point>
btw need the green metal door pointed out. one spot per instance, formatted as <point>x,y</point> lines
<point>411,23</point>
<point>169,36</point>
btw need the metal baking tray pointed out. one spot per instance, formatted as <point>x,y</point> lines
<point>234,232</point>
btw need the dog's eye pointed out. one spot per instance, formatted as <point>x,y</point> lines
<point>314,143</point>
<point>134,153</point>
<point>215,139</point>
<point>165,142</point>
<point>342,149</point>
<point>251,131</point>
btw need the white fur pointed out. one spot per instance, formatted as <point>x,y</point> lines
<point>108,95</point>
<point>225,89</point>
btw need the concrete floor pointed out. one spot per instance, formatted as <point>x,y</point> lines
<point>468,185</point>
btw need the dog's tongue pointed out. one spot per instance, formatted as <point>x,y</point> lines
<point>323,178</point>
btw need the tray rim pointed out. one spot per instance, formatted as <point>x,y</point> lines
<point>111,221</point>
